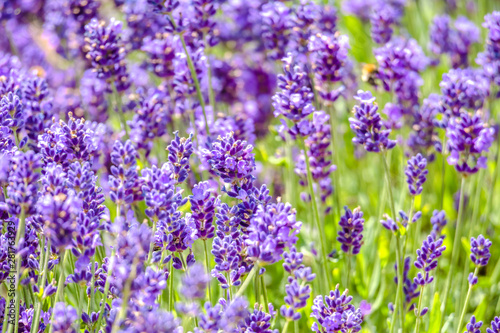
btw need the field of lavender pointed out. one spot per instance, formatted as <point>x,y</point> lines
<point>249,166</point>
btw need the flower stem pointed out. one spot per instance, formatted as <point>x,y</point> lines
<point>171,288</point>
<point>106,290</point>
<point>319,226</point>
<point>19,235</point>
<point>92,286</point>
<point>455,251</point>
<point>38,308</point>
<point>348,270</point>
<point>466,303</point>
<point>207,264</point>
<point>60,285</point>
<point>264,293</point>
<point>419,308</point>
<point>151,245</point>
<point>399,263</point>
<point>285,327</point>
<point>246,282</point>
<point>119,107</point>
<point>196,82</point>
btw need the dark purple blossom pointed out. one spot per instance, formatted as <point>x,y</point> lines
<point>468,141</point>
<point>480,250</point>
<point>473,326</point>
<point>124,179</point>
<point>350,235</point>
<point>426,261</point>
<point>276,23</point>
<point>416,174</point>
<point>495,326</point>
<point>368,126</point>
<point>334,313</point>
<point>203,204</point>
<point>179,152</point>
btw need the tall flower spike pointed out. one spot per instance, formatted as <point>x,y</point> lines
<point>368,126</point>
<point>416,174</point>
<point>350,236</point>
<point>106,52</point>
<point>490,58</point>
<point>468,141</point>
<point>334,313</point>
<point>179,151</point>
<point>64,318</point>
<point>427,257</point>
<point>495,326</point>
<point>203,204</point>
<point>474,326</point>
<point>480,250</point>
<point>124,178</point>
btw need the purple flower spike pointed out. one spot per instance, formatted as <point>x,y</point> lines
<point>468,139</point>
<point>179,152</point>
<point>351,236</point>
<point>490,58</point>
<point>334,313</point>
<point>368,126</point>
<point>194,282</point>
<point>438,221</point>
<point>427,259</point>
<point>389,224</point>
<point>474,326</point>
<point>203,204</point>
<point>106,52</point>
<point>495,326</point>
<point>124,178</point>
<point>480,250</point>
<point>64,318</point>
<point>416,174</point>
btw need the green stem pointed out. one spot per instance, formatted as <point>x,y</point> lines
<point>171,288</point>
<point>207,264</point>
<point>419,308</point>
<point>38,307</point>
<point>196,82</point>
<point>106,290</point>
<point>119,107</point>
<point>150,253</point>
<point>455,251</point>
<point>410,217</point>
<point>92,286</point>
<point>319,226</point>
<point>60,284</point>
<point>285,327</point>
<point>19,235</point>
<point>246,282</point>
<point>335,175</point>
<point>264,293</point>
<point>348,269</point>
<point>466,303</point>
<point>399,263</point>
<point>125,297</point>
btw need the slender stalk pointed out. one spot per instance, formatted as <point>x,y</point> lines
<point>196,82</point>
<point>92,286</point>
<point>60,285</point>
<point>106,290</point>
<point>125,297</point>
<point>415,237</point>
<point>399,263</point>
<point>335,156</point>
<point>150,253</point>
<point>419,308</point>
<point>246,282</point>
<point>455,251</point>
<point>19,235</point>
<point>207,264</point>
<point>348,269</point>
<point>171,288</point>
<point>264,293</point>
<point>119,107</point>
<point>38,307</point>
<point>285,327</point>
<point>466,303</point>
<point>319,226</point>
<point>211,96</point>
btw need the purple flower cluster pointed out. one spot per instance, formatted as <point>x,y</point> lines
<point>124,178</point>
<point>368,126</point>
<point>455,41</point>
<point>203,204</point>
<point>350,236</point>
<point>416,174</point>
<point>473,326</point>
<point>385,15</point>
<point>490,58</point>
<point>426,261</point>
<point>480,250</point>
<point>334,313</point>
<point>468,140</point>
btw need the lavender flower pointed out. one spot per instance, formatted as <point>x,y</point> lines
<point>427,257</point>
<point>232,160</point>
<point>474,326</point>
<point>480,250</point>
<point>63,318</point>
<point>105,51</point>
<point>275,28</point>
<point>468,139</point>
<point>416,174</point>
<point>272,229</point>
<point>195,282</point>
<point>295,99</point>
<point>124,179</point>
<point>368,126</point>
<point>203,205</point>
<point>179,151</point>
<point>383,18</point>
<point>490,58</point>
<point>335,313</point>
<point>438,221</point>
<point>350,236</point>
<point>495,326</point>
<point>161,52</point>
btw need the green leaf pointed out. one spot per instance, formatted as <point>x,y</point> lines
<point>435,320</point>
